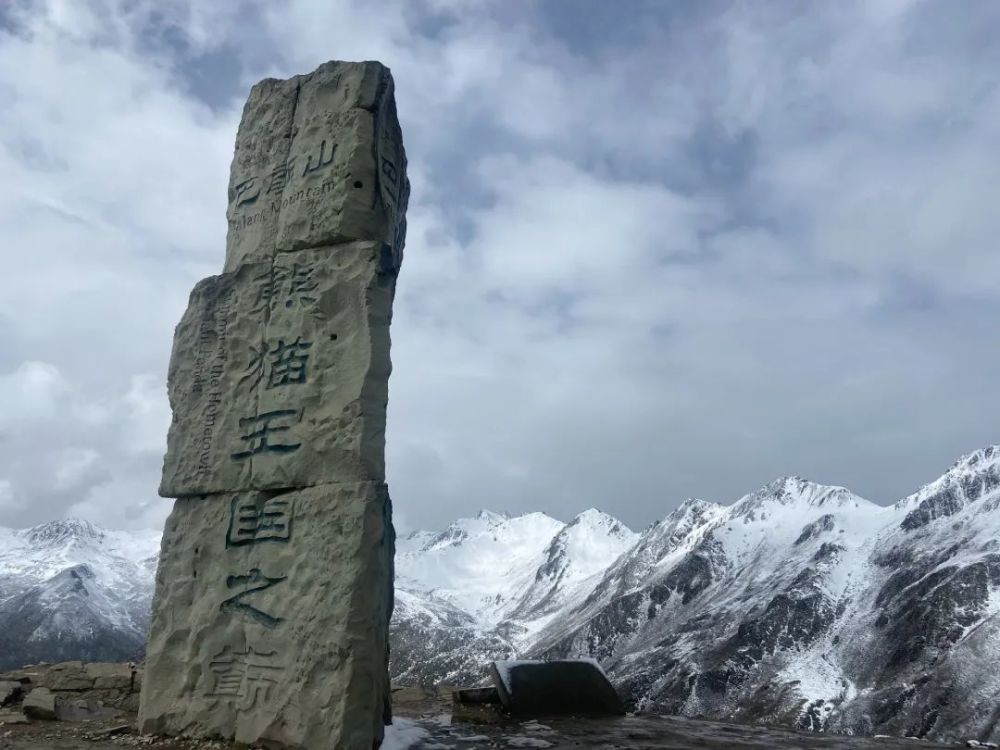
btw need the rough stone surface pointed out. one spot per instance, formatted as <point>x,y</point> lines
<point>112,676</point>
<point>319,160</point>
<point>297,346</point>
<point>40,703</point>
<point>274,588</point>
<point>69,675</point>
<point>277,632</point>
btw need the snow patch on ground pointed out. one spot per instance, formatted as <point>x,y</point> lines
<point>403,734</point>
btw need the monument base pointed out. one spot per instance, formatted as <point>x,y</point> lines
<point>270,617</point>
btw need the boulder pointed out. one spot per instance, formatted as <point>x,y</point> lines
<point>12,717</point>
<point>10,691</point>
<point>69,675</point>
<point>112,676</point>
<point>40,703</point>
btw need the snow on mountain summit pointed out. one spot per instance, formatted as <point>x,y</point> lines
<point>70,588</point>
<point>973,479</point>
<point>800,603</point>
<point>477,563</point>
<point>68,530</point>
<point>580,551</point>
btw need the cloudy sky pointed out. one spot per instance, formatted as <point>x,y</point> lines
<point>656,249</point>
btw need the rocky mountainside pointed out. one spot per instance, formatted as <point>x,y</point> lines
<point>799,604</point>
<point>484,587</point>
<point>70,590</point>
<point>807,605</point>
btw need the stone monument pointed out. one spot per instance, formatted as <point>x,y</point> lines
<point>274,587</point>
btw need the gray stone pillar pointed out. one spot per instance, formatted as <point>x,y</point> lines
<point>274,587</point>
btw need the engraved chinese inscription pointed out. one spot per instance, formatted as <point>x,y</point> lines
<point>261,431</point>
<point>279,177</point>
<point>245,192</point>
<point>244,675</point>
<point>292,285</point>
<point>250,523</point>
<point>284,364</point>
<point>322,158</point>
<point>253,582</point>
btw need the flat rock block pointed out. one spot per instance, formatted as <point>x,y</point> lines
<point>67,675</point>
<point>279,374</point>
<point>554,688</point>
<point>270,618</point>
<point>40,703</point>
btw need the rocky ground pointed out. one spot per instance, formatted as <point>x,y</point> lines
<point>75,706</point>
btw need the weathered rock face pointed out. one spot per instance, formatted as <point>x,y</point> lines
<point>319,161</point>
<point>279,374</point>
<point>274,587</point>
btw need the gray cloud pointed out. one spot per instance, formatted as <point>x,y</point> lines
<point>676,253</point>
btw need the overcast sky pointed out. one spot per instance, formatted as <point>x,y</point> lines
<point>656,249</point>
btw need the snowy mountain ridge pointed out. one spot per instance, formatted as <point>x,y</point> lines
<point>799,604</point>
<point>69,589</point>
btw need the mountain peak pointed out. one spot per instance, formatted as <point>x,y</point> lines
<point>492,516</point>
<point>593,516</point>
<point>792,489</point>
<point>66,530</point>
<point>973,478</point>
<point>976,461</point>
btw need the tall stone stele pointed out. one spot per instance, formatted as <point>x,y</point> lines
<point>274,587</point>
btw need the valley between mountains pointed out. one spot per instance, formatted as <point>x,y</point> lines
<point>799,604</point>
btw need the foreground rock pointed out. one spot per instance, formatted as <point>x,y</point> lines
<point>40,704</point>
<point>69,691</point>
<point>274,587</point>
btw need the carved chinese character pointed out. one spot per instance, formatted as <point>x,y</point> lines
<point>279,177</point>
<point>251,583</point>
<point>390,176</point>
<point>246,675</point>
<point>245,192</point>
<point>293,284</point>
<point>250,523</point>
<point>259,439</point>
<point>300,283</point>
<point>288,363</point>
<point>322,159</point>
<point>284,364</point>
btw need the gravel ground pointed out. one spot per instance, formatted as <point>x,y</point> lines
<point>424,723</point>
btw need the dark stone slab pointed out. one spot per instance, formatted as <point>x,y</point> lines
<point>555,688</point>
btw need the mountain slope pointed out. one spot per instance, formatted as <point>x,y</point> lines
<point>70,590</point>
<point>799,604</point>
<point>807,605</point>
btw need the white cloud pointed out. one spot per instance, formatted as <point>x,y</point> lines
<point>716,248</point>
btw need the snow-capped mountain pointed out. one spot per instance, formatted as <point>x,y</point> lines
<point>71,590</point>
<point>482,589</point>
<point>807,605</point>
<point>799,604</point>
